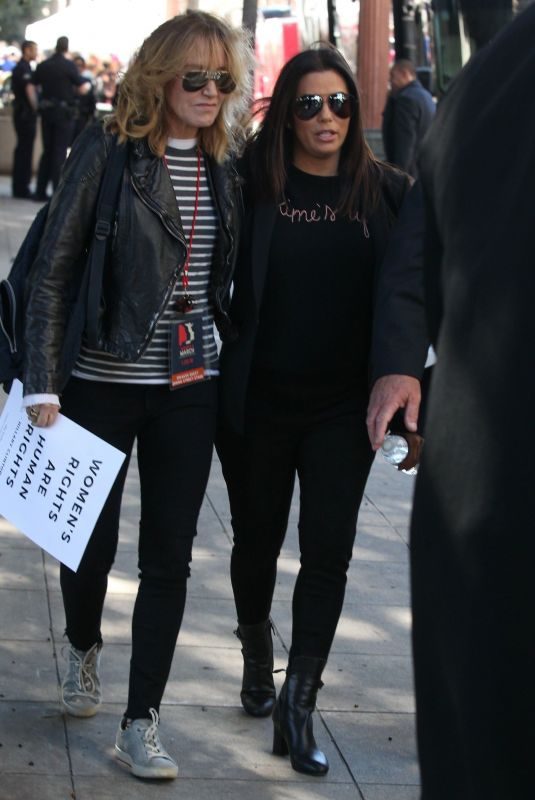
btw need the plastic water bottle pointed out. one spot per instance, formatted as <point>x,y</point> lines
<point>395,449</point>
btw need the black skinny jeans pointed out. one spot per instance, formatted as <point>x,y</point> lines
<point>174,432</point>
<point>318,433</point>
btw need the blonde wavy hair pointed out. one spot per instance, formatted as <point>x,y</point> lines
<point>141,106</point>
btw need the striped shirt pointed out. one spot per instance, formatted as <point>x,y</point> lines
<point>153,366</point>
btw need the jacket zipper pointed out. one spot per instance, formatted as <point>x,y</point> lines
<point>172,283</point>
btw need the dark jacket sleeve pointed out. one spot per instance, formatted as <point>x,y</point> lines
<point>36,75</point>
<point>386,129</point>
<point>75,77</point>
<point>400,340</point>
<point>57,270</point>
<point>404,134</point>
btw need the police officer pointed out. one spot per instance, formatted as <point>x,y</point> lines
<point>60,84</point>
<point>24,120</point>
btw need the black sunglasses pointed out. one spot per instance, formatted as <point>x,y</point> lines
<point>196,79</point>
<point>309,105</point>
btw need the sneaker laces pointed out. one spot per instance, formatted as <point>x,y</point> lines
<point>151,738</point>
<point>85,666</point>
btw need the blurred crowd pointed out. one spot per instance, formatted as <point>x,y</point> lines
<point>102,71</point>
<point>66,92</point>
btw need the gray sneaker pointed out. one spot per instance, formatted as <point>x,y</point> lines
<point>138,745</point>
<point>80,689</point>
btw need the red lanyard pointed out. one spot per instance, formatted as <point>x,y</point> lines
<point>186,302</point>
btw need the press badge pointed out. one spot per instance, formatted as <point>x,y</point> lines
<point>186,352</point>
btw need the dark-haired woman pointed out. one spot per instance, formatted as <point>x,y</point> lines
<point>319,209</point>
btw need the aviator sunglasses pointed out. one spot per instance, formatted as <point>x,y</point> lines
<point>196,79</point>
<point>309,105</point>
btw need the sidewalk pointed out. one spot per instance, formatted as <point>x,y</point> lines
<point>365,718</point>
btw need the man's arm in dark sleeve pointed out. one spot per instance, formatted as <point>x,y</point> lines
<point>400,340</point>
<point>36,76</point>
<point>405,132</point>
<point>80,82</point>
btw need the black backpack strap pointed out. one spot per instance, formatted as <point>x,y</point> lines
<point>106,206</point>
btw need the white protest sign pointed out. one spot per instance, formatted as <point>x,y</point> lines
<point>53,481</point>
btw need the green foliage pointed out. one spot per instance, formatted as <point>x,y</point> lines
<point>16,14</point>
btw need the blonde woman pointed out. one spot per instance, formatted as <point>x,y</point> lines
<point>153,376</point>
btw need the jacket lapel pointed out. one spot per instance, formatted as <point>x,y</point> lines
<point>263,224</point>
<point>152,183</point>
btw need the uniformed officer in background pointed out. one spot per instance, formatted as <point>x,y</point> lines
<point>24,120</point>
<point>85,105</point>
<point>60,83</point>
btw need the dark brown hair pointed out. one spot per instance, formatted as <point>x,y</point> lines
<point>405,65</point>
<point>270,149</point>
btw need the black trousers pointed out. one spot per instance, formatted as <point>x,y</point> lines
<point>174,432</point>
<point>317,433</point>
<point>25,125</point>
<point>57,126</point>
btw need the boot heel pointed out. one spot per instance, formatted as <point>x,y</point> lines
<point>293,731</point>
<point>280,748</point>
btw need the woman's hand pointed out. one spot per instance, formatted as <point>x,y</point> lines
<point>42,415</point>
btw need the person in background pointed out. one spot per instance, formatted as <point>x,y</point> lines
<point>319,209</point>
<point>10,59</point>
<point>24,120</point>
<point>407,115</point>
<point>106,83</point>
<point>153,377</point>
<point>85,104</point>
<point>60,83</point>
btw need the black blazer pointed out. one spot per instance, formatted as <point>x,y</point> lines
<point>249,279</point>
<point>472,537</point>
<point>400,338</point>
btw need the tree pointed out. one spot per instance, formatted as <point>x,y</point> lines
<point>16,14</point>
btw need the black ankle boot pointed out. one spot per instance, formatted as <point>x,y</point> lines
<point>292,716</point>
<point>258,689</point>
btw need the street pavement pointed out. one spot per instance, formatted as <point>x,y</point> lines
<point>365,718</point>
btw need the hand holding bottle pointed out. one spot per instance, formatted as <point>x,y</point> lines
<point>403,450</point>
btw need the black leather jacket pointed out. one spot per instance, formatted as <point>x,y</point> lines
<point>147,253</point>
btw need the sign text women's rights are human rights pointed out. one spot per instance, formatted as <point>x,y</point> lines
<point>53,481</point>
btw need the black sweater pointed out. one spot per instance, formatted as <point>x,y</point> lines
<point>315,318</point>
